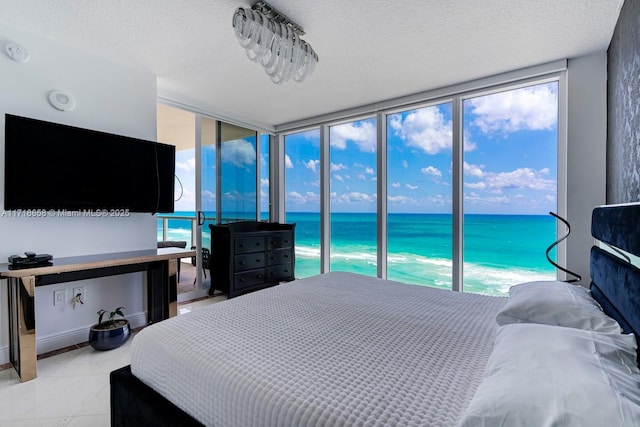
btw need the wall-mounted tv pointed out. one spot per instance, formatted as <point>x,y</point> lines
<point>55,166</point>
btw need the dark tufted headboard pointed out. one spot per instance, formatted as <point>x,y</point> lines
<point>615,282</point>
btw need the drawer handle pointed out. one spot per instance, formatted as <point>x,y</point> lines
<point>258,260</point>
<point>272,258</point>
<point>241,263</point>
<point>241,245</point>
<point>241,280</point>
<point>259,276</point>
<point>286,256</point>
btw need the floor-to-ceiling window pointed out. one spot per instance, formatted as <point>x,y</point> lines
<point>302,198</point>
<point>482,212</point>
<point>353,196</point>
<point>510,186</point>
<point>419,203</point>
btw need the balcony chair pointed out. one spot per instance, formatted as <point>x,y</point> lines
<point>205,261</point>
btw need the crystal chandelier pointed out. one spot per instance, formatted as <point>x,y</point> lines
<point>273,41</point>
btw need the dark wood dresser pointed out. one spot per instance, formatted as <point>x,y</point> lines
<point>250,255</point>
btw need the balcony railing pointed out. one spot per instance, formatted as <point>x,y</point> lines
<point>177,227</point>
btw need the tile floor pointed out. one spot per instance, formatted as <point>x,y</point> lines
<point>72,388</point>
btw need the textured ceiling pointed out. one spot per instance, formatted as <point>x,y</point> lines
<point>369,50</point>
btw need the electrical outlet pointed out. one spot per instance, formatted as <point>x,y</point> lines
<point>60,297</point>
<point>79,290</point>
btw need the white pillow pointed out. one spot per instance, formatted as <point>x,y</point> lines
<point>540,375</point>
<point>555,303</point>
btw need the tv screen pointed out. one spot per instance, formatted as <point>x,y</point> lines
<point>54,166</point>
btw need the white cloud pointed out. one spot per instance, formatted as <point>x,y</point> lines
<point>476,198</point>
<point>425,129</point>
<point>239,152</point>
<point>476,185</point>
<point>368,171</point>
<point>338,177</point>
<point>530,108</point>
<point>187,166</point>
<point>296,198</point>
<point>411,187</point>
<point>363,134</point>
<point>208,195</point>
<point>473,170</point>
<point>518,178</point>
<point>395,184</point>
<point>401,200</point>
<point>237,196</point>
<point>433,171</point>
<point>287,162</point>
<point>354,197</point>
<point>522,178</point>
<point>312,165</point>
<point>338,167</point>
<point>405,164</point>
<point>264,182</point>
<point>362,177</point>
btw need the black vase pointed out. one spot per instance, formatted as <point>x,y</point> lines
<point>108,339</point>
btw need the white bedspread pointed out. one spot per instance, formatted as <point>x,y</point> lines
<point>333,350</point>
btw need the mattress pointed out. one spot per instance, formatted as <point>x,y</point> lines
<point>337,349</point>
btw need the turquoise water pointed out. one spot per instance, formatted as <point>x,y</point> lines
<point>499,250</point>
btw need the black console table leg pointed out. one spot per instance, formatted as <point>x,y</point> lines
<point>162,290</point>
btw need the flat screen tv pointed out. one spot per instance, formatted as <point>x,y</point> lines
<point>53,166</point>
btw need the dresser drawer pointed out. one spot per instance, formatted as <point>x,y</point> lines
<point>279,256</point>
<point>280,240</point>
<point>249,278</point>
<point>245,245</point>
<point>248,261</point>
<point>280,272</point>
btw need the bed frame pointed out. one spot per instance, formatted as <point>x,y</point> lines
<point>615,284</point>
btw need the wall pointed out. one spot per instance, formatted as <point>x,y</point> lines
<point>110,97</point>
<point>623,138</point>
<point>586,152</point>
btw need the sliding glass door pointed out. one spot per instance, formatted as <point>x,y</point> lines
<point>216,181</point>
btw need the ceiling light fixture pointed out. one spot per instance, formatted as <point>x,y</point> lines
<point>273,40</point>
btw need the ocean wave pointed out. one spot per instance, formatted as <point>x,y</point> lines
<point>422,270</point>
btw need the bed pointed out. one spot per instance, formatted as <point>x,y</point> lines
<point>343,349</point>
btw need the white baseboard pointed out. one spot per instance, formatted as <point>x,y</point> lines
<point>70,337</point>
<point>188,296</point>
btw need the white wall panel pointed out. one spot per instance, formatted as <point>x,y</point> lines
<point>109,97</point>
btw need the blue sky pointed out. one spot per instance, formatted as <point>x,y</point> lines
<point>510,161</point>
<point>510,158</point>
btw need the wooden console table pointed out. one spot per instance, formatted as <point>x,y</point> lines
<point>160,265</point>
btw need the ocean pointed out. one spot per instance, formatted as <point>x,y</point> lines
<point>499,250</point>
